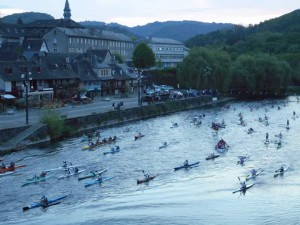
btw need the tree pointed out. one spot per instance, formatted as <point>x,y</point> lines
<point>205,68</point>
<point>143,56</point>
<point>260,73</point>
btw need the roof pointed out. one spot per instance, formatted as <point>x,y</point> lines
<point>11,30</point>
<point>93,33</point>
<point>154,40</point>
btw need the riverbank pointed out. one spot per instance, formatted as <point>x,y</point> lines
<point>21,137</point>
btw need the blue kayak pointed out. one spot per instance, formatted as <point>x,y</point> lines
<point>186,166</point>
<point>50,202</point>
<point>87,184</point>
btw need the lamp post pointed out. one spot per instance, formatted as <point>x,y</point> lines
<point>139,77</point>
<point>26,83</point>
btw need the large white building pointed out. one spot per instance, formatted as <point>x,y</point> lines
<point>168,52</point>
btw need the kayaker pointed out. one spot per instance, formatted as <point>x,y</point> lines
<point>44,201</point>
<point>253,172</point>
<point>99,178</point>
<point>76,170</point>
<point>43,174</point>
<point>243,185</point>
<point>281,169</point>
<point>64,164</point>
<point>3,166</point>
<point>145,174</point>
<point>186,163</point>
<point>12,165</point>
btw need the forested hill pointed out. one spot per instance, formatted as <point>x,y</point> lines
<point>286,24</point>
<point>177,30</point>
<point>26,17</point>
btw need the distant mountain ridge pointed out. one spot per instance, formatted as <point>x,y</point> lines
<point>177,30</point>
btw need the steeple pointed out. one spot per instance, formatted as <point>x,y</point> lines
<point>67,11</point>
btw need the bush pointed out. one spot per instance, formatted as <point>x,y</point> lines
<point>55,123</point>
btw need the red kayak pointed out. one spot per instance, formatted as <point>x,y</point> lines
<point>145,179</point>
<point>11,168</point>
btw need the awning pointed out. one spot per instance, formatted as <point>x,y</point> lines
<point>8,96</point>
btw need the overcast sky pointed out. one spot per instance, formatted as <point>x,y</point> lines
<point>141,12</point>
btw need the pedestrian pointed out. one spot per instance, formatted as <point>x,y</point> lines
<point>113,104</point>
<point>287,122</point>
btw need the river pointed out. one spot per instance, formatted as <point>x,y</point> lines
<point>200,195</point>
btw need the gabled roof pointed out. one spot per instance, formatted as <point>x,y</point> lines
<point>11,30</point>
<point>118,73</point>
<point>84,70</point>
<point>33,45</point>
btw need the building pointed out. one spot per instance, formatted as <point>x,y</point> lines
<point>168,52</point>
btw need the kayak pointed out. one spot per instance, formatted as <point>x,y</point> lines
<point>62,168</point>
<point>87,184</point>
<point>243,189</point>
<point>50,201</point>
<point>70,175</point>
<point>186,166</point>
<point>35,180</point>
<point>251,176</point>
<point>11,168</point>
<point>112,151</point>
<point>90,175</point>
<point>163,146</point>
<point>139,136</point>
<point>7,173</point>
<point>212,157</point>
<point>145,179</point>
<point>277,173</point>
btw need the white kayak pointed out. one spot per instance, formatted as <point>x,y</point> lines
<point>243,189</point>
<point>277,172</point>
<point>251,176</point>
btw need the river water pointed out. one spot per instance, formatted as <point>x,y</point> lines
<point>200,195</point>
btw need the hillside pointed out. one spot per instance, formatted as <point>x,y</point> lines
<point>178,30</point>
<point>27,17</point>
<point>288,23</point>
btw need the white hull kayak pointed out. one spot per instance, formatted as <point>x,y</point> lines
<point>243,189</point>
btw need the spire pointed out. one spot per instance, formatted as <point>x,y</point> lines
<point>67,11</point>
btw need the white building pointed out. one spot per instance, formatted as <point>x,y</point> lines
<point>168,52</point>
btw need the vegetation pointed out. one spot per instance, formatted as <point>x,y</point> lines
<point>205,68</point>
<point>263,58</point>
<point>143,56</point>
<point>55,124</point>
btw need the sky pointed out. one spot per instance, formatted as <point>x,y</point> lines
<point>140,12</point>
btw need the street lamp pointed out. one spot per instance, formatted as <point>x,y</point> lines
<point>26,83</point>
<point>139,77</point>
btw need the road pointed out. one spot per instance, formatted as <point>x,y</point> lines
<point>71,111</point>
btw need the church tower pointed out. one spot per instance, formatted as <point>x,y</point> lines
<point>67,11</point>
